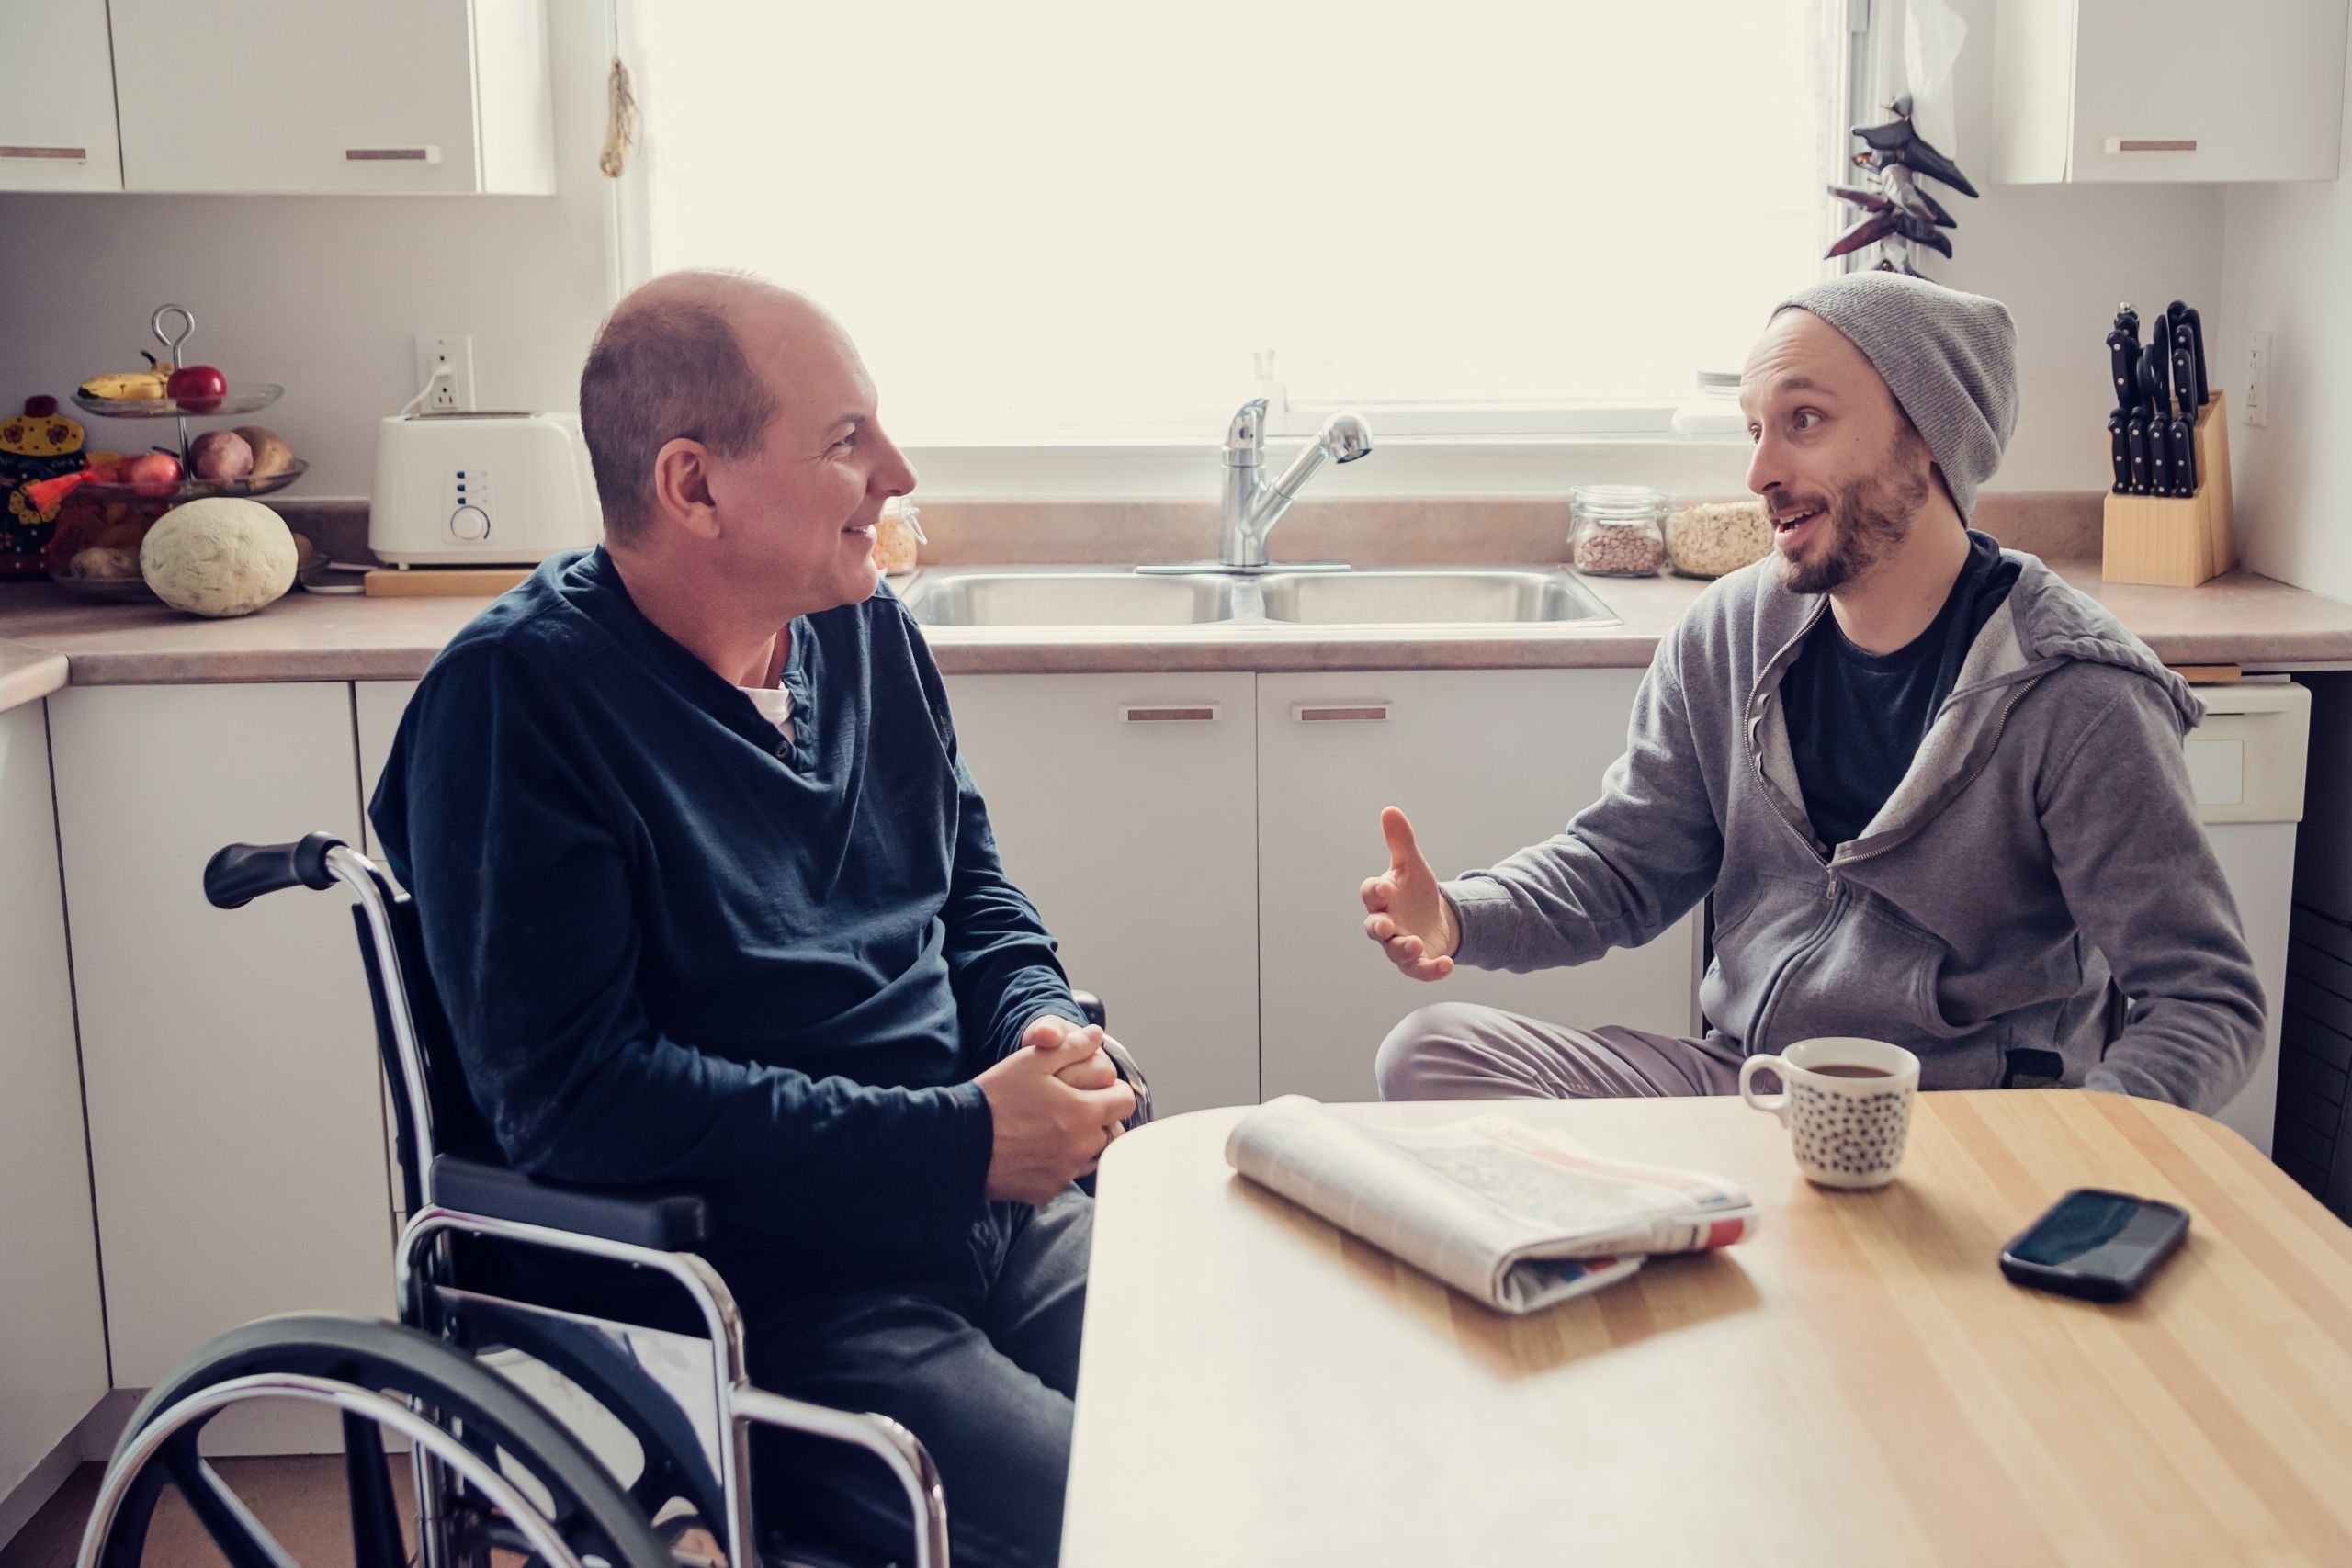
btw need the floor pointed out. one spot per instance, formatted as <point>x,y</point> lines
<point>300,1498</point>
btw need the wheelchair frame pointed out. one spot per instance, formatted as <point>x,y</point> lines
<point>422,1267</point>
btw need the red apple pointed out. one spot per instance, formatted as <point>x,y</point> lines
<point>154,474</point>
<point>197,388</point>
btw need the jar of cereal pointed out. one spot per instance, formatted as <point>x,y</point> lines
<point>1709,538</point>
<point>1613,530</point>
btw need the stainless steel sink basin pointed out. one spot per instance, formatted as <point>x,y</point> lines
<point>1430,596</point>
<point>1050,596</point>
<point>1375,597</point>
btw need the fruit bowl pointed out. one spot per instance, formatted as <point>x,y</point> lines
<point>242,396</point>
<point>195,489</point>
<point>113,590</point>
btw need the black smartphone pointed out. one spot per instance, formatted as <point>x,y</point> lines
<point>2100,1246</point>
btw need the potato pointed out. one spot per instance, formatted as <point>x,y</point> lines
<point>104,564</point>
<point>271,454</point>
<point>220,455</point>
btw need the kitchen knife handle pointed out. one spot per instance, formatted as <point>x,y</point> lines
<point>2123,366</point>
<point>2155,378</point>
<point>2196,325</point>
<point>2119,451</point>
<point>2135,434</point>
<point>2184,455</point>
<point>2183,383</point>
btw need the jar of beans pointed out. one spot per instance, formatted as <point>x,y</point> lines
<point>1613,530</point>
<point>1709,538</point>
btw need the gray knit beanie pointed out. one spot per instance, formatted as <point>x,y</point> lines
<point>1949,358</point>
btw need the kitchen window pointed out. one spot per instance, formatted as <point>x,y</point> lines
<point>1062,222</point>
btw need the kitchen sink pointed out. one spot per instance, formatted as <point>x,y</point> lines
<point>1371,597</point>
<point>1050,596</point>
<point>1434,596</point>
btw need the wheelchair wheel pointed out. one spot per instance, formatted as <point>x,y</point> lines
<point>508,1474</point>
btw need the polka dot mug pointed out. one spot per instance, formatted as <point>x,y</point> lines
<point>1846,1103</point>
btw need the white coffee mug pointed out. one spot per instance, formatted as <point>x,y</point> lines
<point>1846,1103</point>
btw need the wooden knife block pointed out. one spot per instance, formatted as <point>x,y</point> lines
<point>2177,541</point>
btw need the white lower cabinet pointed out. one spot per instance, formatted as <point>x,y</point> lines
<point>52,1334</point>
<point>1124,807</point>
<point>376,707</point>
<point>1484,763</point>
<point>228,1057</point>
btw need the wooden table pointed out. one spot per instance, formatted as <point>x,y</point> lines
<point>1855,1383</point>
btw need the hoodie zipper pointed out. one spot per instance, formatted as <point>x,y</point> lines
<point>1775,986</point>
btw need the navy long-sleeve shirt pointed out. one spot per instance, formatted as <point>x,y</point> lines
<point>680,949</point>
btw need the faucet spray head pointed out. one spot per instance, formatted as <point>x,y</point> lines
<point>1343,435</point>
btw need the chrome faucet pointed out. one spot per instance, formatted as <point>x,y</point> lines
<point>1250,507</point>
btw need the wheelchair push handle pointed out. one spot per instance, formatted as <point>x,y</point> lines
<point>242,873</point>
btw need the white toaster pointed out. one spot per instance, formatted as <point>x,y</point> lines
<point>480,489</point>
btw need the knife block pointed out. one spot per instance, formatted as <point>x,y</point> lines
<point>2176,541</point>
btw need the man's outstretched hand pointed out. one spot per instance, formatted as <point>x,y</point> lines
<point>1057,1103</point>
<point>1405,911</point>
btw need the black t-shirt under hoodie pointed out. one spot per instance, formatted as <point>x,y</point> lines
<point>1856,719</point>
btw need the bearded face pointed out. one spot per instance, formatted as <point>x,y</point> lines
<point>1834,535</point>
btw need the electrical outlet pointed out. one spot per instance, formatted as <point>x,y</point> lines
<point>2254,379</point>
<point>455,392</point>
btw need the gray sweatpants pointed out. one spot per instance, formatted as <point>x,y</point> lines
<point>1464,1051</point>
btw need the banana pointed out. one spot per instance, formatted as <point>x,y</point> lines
<point>127,386</point>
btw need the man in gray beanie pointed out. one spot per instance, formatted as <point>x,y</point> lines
<point>1936,794</point>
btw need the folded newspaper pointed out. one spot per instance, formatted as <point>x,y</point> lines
<point>1516,1216</point>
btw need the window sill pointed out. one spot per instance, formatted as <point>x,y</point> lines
<point>1189,468</point>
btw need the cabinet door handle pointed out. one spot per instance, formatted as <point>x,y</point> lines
<point>2149,145</point>
<point>391,155</point>
<point>1339,713</point>
<point>1146,713</point>
<point>61,154</point>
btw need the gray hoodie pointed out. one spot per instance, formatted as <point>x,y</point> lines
<point>2040,862</point>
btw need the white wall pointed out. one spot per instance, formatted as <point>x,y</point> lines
<point>325,293</point>
<point>2287,270</point>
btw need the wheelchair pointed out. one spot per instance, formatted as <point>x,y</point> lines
<point>494,1469</point>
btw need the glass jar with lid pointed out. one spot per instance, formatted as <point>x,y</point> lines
<point>1613,530</point>
<point>1710,538</point>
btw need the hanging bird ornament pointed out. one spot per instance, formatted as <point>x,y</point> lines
<point>1896,213</point>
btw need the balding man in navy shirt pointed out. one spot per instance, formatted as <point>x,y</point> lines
<point>712,902</point>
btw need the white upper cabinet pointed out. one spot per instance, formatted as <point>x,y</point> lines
<point>334,97</point>
<point>57,108</point>
<point>2113,91</point>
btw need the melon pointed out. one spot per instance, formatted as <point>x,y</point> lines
<point>222,556</point>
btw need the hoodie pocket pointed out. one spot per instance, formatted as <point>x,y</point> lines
<point>1778,915</point>
<point>1872,974</point>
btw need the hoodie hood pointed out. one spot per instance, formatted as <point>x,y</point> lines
<point>2044,624</point>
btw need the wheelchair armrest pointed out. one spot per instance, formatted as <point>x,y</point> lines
<point>1124,1062</point>
<point>1096,1014</point>
<point>674,1223</point>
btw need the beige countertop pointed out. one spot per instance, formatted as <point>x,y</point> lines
<point>2240,618</point>
<point>27,675</point>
